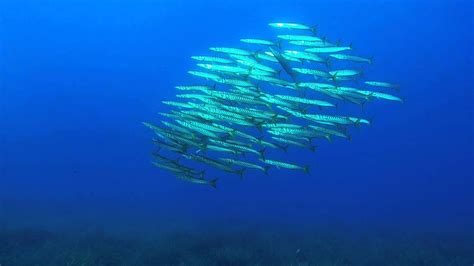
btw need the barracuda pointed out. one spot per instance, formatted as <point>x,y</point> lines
<point>266,57</point>
<point>236,107</point>
<point>285,56</point>
<point>330,131</point>
<point>345,73</point>
<point>236,97</point>
<point>225,68</point>
<point>352,58</point>
<point>168,134</point>
<point>194,88</point>
<point>248,112</point>
<point>300,132</point>
<point>215,110</point>
<point>306,38</point>
<point>315,85</point>
<point>237,147</point>
<point>296,143</point>
<point>259,42</point>
<point>211,182</point>
<point>276,125</point>
<point>222,149</point>
<point>382,84</point>
<point>291,26</point>
<point>177,128</point>
<point>245,164</point>
<point>305,101</point>
<point>249,91</point>
<point>201,97</point>
<point>178,104</point>
<point>204,75</point>
<point>233,120</point>
<point>272,80</point>
<point>257,66</point>
<point>306,56</point>
<point>279,164</point>
<point>199,115</point>
<point>228,50</point>
<point>212,162</point>
<point>341,120</point>
<point>176,147</point>
<point>212,127</point>
<point>212,59</point>
<point>193,127</point>
<point>234,82</point>
<point>310,44</point>
<point>313,72</point>
<point>334,49</point>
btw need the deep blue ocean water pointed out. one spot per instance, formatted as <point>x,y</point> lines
<point>78,78</point>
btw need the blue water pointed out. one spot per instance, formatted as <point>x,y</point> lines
<point>78,78</point>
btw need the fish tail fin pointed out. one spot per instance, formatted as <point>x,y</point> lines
<point>313,29</point>
<point>213,183</point>
<point>285,148</point>
<point>371,120</point>
<point>266,168</point>
<point>262,153</point>
<point>259,125</point>
<point>371,60</point>
<point>327,62</point>
<point>312,148</point>
<point>328,137</point>
<point>275,117</point>
<point>240,173</point>
<point>147,124</point>
<point>255,54</point>
<point>306,169</point>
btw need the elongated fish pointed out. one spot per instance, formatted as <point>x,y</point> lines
<point>279,164</point>
<point>192,179</point>
<point>291,26</point>
<point>258,41</point>
<point>382,84</point>
<point>283,62</point>
<point>211,59</point>
<point>352,58</point>
<point>306,38</point>
<point>245,164</point>
<point>228,50</point>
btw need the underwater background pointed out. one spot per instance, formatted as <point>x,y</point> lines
<point>77,186</point>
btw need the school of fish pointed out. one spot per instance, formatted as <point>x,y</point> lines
<point>262,95</point>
